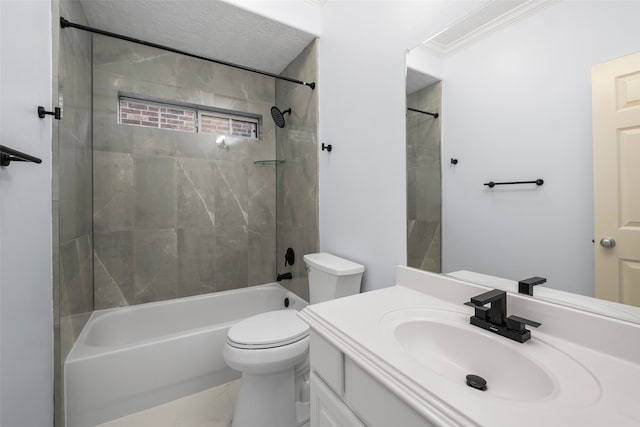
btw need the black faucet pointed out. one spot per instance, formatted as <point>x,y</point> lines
<point>525,286</point>
<point>284,276</point>
<point>494,318</point>
<point>497,314</point>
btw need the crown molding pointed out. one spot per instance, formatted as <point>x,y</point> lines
<point>520,11</point>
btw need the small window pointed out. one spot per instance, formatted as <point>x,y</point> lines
<point>155,115</point>
<point>139,112</point>
<point>227,124</point>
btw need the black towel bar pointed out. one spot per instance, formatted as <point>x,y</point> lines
<point>8,155</point>
<point>492,184</point>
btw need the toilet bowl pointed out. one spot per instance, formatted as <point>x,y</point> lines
<point>266,348</point>
<point>272,350</point>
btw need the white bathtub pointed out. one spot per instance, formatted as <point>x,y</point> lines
<point>133,358</point>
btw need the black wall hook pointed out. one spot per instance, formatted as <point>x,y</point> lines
<point>327,147</point>
<point>57,113</point>
<point>454,161</point>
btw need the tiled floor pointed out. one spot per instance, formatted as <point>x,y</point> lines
<point>210,408</point>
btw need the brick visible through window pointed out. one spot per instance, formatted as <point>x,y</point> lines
<point>242,128</point>
<point>175,117</point>
<point>213,124</point>
<point>153,115</point>
<point>228,126</point>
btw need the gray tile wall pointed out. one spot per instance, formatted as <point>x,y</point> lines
<point>174,213</point>
<point>297,178</point>
<point>71,181</point>
<point>424,183</point>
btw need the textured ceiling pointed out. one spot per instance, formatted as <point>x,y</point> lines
<point>208,28</point>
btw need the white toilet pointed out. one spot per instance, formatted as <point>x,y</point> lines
<point>272,350</point>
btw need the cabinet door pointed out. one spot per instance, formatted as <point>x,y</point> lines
<point>375,403</point>
<point>327,410</point>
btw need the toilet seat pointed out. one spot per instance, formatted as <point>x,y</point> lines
<point>267,343</point>
<point>268,330</point>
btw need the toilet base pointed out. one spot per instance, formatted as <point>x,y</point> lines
<point>258,405</point>
<point>303,413</point>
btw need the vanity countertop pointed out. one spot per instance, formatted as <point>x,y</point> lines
<point>592,362</point>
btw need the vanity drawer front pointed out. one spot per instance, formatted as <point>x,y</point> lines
<point>327,410</point>
<point>375,404</point>
<point>327,362</point>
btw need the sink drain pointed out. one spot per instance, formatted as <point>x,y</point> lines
<point>477,382</point>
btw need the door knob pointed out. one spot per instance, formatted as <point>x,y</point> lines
<point>607,242</point>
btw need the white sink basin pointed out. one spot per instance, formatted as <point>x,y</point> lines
<point>445,343</point>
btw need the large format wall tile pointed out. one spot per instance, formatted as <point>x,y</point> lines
<point>114,254</point>
<point>156,142</point>
<point>76,265</point>
<point>262,195</point>
<point>175,213</point>
<point>196,262</point>
<point>112,191</point>
<point>232,198</point>
<point>197,182</point>
<point>155,192</point>
<point>297,178</point>
<point>262,254</point>
<point>71,187</point>
<point>107,292</point>
<point>155,265</point>
<point>137,61</point>
<point>424,183</point>
<point>231,262</point>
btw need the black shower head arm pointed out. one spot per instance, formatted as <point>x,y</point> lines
<point>278,116</point>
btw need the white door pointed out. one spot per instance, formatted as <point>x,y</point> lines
<point>26,306</point>
<point>616,170</point>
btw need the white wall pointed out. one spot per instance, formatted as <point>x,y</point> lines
<point>362,114</point>
<point>517,105</point>
<point>26,318</point>
<point>426,61</point>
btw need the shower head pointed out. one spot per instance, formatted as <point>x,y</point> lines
<point>278,116</point>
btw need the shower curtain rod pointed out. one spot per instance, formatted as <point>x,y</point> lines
<point>67,24</point>
<point>435,115</point>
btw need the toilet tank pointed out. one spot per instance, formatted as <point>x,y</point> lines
<point>332,277</point>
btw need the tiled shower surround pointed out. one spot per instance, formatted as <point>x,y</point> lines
<point>71,188</point>
<point>424,183</point>
<point>143,214</point>
<point>174,213</point>
<point>297,177</point>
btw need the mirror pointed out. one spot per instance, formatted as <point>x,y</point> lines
<point>515,104</point>
<point>424,184</point>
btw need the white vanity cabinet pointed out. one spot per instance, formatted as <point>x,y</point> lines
<point>344,395</point>
<point>399,357</point>
<point>327,410</point>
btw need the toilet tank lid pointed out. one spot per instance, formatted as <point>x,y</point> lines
<point>332,264</point>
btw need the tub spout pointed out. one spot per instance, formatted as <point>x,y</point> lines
<point>284,276</point>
